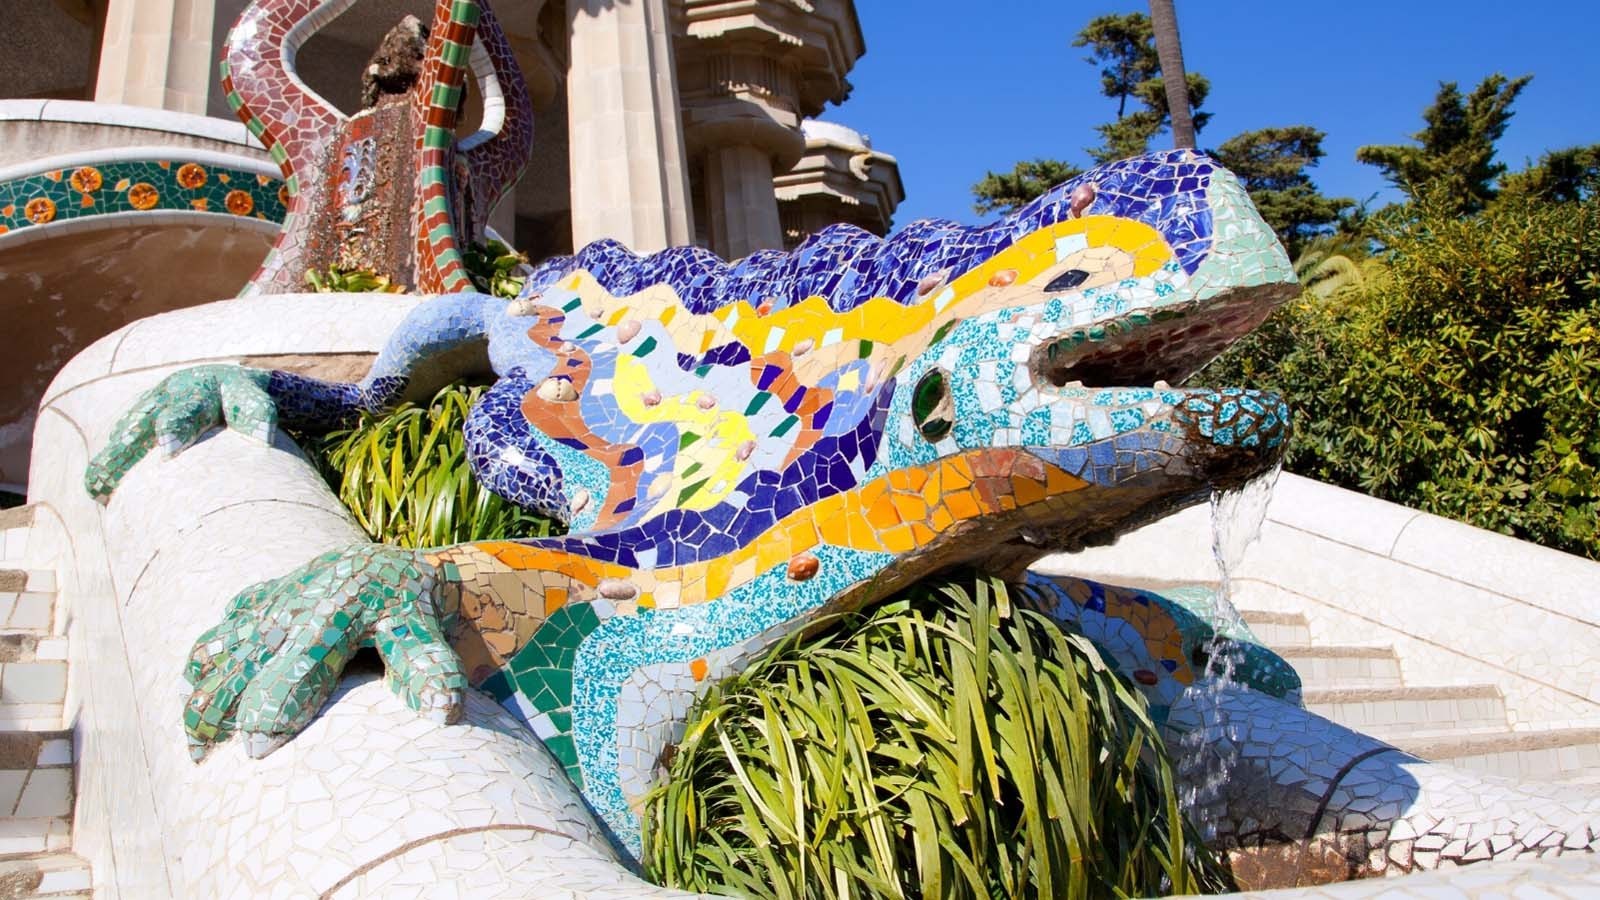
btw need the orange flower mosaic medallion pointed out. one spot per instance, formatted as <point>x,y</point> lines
<point>191,175</point>
<point>86,180</point>
<point>40,210</point>
<point>143,195</point>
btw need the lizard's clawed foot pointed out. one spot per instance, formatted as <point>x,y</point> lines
<point>270,665</point>
<point>176,412</point>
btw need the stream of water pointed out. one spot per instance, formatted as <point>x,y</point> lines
<point>1236,518</point>
<point>1207,758</point>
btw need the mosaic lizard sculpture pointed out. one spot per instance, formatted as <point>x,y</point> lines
<point>738,449</point>
<point>389,189</point>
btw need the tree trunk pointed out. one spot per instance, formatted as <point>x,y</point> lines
<point>1164,21</point>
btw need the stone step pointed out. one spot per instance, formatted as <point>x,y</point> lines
<point>33,664</point>
<point>31,612</point>
<point>45,875</point>
<point>27,647</point>
<point>1276,629</point>
<point>32,682</point>
<point>1392,713</point>
<point>20,838</point>
<point>15,578</point>
<point>37,718</point>
<point>14,525</point>
<point>1556,755</point>
<point>36,797</point>
<point>1323,665</point>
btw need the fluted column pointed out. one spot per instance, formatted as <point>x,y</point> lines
<point>628,175</point>
<point>750,71</point>
<point>157,53</point>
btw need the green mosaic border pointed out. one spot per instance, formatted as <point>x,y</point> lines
<point>79,192</point>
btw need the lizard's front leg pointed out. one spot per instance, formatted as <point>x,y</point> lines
<point>190,402</point>
<point>272,662</point>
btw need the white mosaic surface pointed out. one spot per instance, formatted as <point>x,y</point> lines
<point>370,800</point>
<point>1294,777</point>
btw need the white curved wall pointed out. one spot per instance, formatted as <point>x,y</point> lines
<point>1463,605</point>
<point>370,800</point>
<point>33,129</point>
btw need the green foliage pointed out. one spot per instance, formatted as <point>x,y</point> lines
<point>1271,164</point>
<point>1008,191</point>
<point>495,268</point>
<point>948,743</point>
<point>1455,159</point>
<point>1125,46</point>
<point>350,281</point>
<point>1559,176</point>
<point>1460,378</point>
<point>1131,134</point>
<point>404,476</point>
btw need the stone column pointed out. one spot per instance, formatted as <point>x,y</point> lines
<point>740,204</point>
<point>751,70</point>
<point>629,179</point>
<point>157,53</point>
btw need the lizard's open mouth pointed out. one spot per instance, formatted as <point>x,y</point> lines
<point>1144,346</point>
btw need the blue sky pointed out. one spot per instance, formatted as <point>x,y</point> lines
<point>955,88</point>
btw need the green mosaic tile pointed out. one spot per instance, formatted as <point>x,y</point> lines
<point>137,186</point>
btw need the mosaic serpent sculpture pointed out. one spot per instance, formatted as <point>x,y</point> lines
<point>741,448</point>
<point>389,189</point>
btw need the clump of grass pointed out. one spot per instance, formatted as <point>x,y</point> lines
<point>405,477</point>
<point>946,743</point>
<point>335,280</point>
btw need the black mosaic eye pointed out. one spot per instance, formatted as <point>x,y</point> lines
<point>931,407</point>
<point>1067,280</point>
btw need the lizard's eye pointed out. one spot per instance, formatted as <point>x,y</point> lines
<point>931,407</point>
<point>1066,281</point>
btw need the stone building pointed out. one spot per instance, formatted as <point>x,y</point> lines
<point>657,122</point>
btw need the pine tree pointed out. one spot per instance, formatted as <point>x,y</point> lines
<point>1006,191</point>
<point>1454,155</point>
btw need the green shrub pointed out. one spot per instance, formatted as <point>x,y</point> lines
<point>948,743</point>
<point>404,476</point>
<point>1463,376</point>
<point>495,268</point>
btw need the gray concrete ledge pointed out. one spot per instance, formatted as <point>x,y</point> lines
<point>30,129</point>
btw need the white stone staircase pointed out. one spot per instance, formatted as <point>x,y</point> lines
<point>1365,688</point>
<point>36,751</point>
